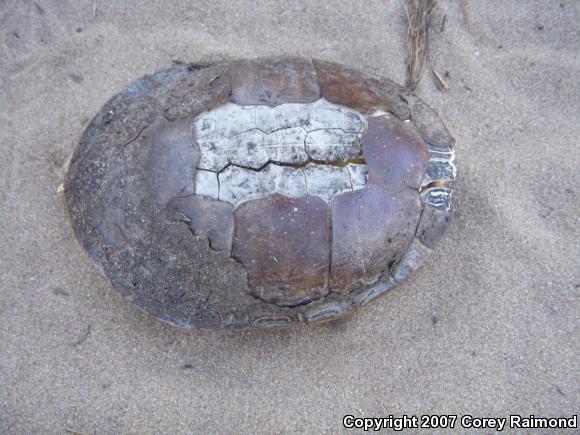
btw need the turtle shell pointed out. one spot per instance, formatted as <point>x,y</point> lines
<point>260,193</point>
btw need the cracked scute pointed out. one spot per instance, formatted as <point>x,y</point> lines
<point>292,149</point>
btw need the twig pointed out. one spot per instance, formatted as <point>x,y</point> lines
<point>440,83</point>
<point>83,337</point>
<point>418,23</point>
<point>466,16</point>
<point>442,27</point>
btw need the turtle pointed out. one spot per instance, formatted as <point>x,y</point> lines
<point>260,193</point>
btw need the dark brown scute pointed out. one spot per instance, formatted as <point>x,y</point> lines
<point>172,155</point>
<point>371,228</point>
<point>193,92</point>
<point>428,123</point>
<point>434,217</point>
<point>272,82</point>
<point>284,245</point>
<point>395,154</point>
<point>206,217</point>
<point>351,88</point>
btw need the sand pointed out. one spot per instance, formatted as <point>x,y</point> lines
<point>488,327</point>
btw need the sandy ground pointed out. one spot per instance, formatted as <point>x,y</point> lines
<point>489,327</point>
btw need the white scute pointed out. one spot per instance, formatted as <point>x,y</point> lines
<point>206,184</point>
<point>440,166</point>
<point>249,149</point>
